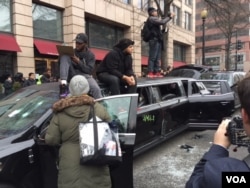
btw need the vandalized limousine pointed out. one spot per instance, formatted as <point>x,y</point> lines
<point>161,108</point>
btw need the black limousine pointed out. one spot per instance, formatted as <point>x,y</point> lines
<point>161,108</point>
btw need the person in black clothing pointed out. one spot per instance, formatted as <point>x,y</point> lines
<point>31,80</point>
<point>46,77</point>
<point>82,63</point>
<point>208,171</point>
<point>19,81</point>
<point>116,69</point>
<point>8,84</point>
<point>155,42</point>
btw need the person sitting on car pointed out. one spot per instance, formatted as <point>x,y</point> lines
<point>208,171</point>
<point>116,69</point>
<point>63,130</point>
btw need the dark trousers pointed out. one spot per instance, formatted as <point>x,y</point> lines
<point>155,48</point>
<point>115,84</point>
<point>122,175</point>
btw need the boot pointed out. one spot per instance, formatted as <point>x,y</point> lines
<point>64,91</point>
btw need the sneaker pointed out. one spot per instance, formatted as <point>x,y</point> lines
<point>150,75</point>
<point>64,91</point>
<point>158,75</point>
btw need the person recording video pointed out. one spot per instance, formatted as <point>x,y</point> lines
<point>208,172</point>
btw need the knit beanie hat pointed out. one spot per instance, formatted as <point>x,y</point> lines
<point>124,43</point>
<point>151,9</point>
<point>78,85</point>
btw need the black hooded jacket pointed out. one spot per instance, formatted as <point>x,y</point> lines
<point>117,63</point>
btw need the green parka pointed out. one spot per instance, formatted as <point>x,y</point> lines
<point>63,129</point>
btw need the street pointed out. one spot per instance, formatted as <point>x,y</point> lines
<point>170,164</point>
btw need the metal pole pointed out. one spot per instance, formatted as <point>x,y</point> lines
<point>236,50</point>
<point>203,41</point>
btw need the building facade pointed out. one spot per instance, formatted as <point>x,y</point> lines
<point>215,44</point>
<point>30,31</point>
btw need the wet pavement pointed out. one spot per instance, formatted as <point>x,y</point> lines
<point>170,164</point>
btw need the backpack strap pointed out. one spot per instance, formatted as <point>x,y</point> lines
<point>247,160</point>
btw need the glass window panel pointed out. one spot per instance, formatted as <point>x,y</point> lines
<point>126,1</point>
<point>103,35</point>
<point>5,16</point>
<point>118,109</point>
<point>143,4</point>
<point>179,52</point>
<point>47,23</point>
<point>187,21</point>
<point>6,63</point>
<point>177,16</point>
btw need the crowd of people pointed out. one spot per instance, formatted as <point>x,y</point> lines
<point>79,89</point>
<point>10,84</point>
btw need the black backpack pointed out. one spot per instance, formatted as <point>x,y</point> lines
<point>146,31</point>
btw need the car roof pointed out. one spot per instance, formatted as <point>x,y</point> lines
<point>152,81</point>
<point>200,68</point>
<point>225,72</point>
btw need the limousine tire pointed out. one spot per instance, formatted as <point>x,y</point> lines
<point>6,186</point>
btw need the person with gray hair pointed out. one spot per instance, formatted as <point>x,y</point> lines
<point>82,63</point>
<point>63,131</point>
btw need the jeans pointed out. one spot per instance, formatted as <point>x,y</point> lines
<point>154,56</point>
<point>94,88</point>
<point>116,86</point>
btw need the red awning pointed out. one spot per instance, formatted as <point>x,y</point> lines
<point>99,54</point>
<point>8,43</point>
<point>46,47</point>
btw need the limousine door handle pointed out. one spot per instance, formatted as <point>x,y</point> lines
<point>224,103</point>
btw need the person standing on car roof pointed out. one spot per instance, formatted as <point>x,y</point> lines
<point>63,131</point>
<point>155,42</point>
<point>208,171</point>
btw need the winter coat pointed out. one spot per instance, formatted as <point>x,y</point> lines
<point>8,87</point>
<point>29,82</point>
<point>117,63</point>
<point>155,26</point>
<point>208,172</point>
<point>85,66</point>
<point>63,129</point>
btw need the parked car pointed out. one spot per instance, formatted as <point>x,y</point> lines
<point>189,71</point>
<point>162,108</point>
<point>232,77</point>
<point>205,73</point>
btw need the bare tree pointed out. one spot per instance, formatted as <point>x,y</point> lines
<point>230,16</point>
<point>163,7</point>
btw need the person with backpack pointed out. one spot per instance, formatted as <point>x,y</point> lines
<point>155,41</point>
<point>208,171</point>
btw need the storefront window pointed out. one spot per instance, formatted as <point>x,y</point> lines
<point>6,63</point>
<point>179,52</point>
<point>47,23</point>
<point>102,35</point>
<point>5,16</point>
